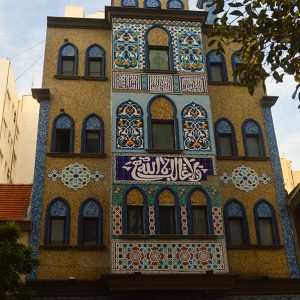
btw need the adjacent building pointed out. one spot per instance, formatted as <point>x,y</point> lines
<point>291,177</point>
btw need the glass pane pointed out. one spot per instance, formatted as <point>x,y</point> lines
<point>67,67</point>
<point>159,59</point>
<point>163,135</point>
<point>62,143</point>
<point>199,217</point>
<point>236,231</point>
<point>92,143</point>
<point>216,72</point>
<point>253,146</point>
<point>135,220</point>
<point>95,68</point>
<point>90,231</point>
<point>266,231</point>
<point>57,227</point>
<point>225,145</point>
<point>167,220</point>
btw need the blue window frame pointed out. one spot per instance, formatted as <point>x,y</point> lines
<point>67,64</point>
<point>216,67</point>
<point>95,61</point>
<point>62,136</point>
<point>236,61</point>
<point>253,139</point>
<point>90,223</point>
<point>175,4</point>
<point>236,224</point>
<point>129,3</point>
<point>265,224</point>
<point>225,138</point>
<point>92,135</point>
<point>152,4</point>
<point>57,227</point>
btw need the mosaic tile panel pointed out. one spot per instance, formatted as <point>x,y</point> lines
<point>164,256</point>
<point>193,84</point>
<point>151,220</point>
<point>117,220</point>
<point>58,209</point>
<point>91,209</point>
<point>126,81</point>
<point>184,221</point>
<point>68,50</point>
<point>160,83</point>
<point>217,220</point>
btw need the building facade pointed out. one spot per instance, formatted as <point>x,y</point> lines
<point>291,177</point>
<point>157,175</point>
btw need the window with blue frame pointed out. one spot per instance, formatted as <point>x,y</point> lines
<point>67,60</point>
<point>62,139</point>
<point>175,4</point>
<point>95,61</point>
<point>90,223</point>
<point>92,135</point>
<point>129,3</point>
<point>237,62</point>
<point>266,224</point>
<point>253,139</point>
<point>225,138</point>
<point>57,223</point>
<point>216,67</point>
<point>236,224</point>
<point>152,4</point>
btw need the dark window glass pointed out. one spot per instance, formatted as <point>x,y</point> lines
<point>158,58</point>
<point>266,231</point>
<point>92,142</point>
<point>216,72</point>
<point>236,231</point>
<point>253,145</point>
<point>57,231</point>
<point>135,219</point>
<point>199,216</point>
<point>90,231</point>
<point>163,135</point>
<point>225,142</point>
<point>62,141</point>
<point>167,220</point>
<point>67,67</point>
<point>95,68</point>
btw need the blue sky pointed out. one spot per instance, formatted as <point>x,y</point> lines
<point>23,25</point>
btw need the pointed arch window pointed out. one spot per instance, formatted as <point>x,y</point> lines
<point>62,139</point>
<point>95,61</point>
<point>175,4</point>
<point>237,232</point>
<point>92,135</point>
<point>67,60</point>
<point>225,138</point>
<point>266,224</point>
<point>130,126</point>
<point>253,139</point>
<point>90,223</point>
<point>129,3</point>
<point>152,4</point>
<point>195,128</point>
<point>57,228</point>
<point>216,67</point>
<point>237,62</point>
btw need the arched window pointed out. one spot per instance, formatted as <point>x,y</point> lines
<point>216,67</point>
<point>235,218</point>
<point>253,139</point>
<point>195,128</point>
<point>265,224</point>
<point>90,223</point>
<point>225,138</point>
<point>92,135</point>
<point>236,62</point>
<point>67,60</point>
<point>129,3</point>
<point>135,212</point>
<point>130,125</point>
<point>152,4</point>
<point>175,4</point>
<point>95,61</point>
<point>159,53</point>
<point>57,228</point>
<point>162,123</point>
<point>62,139</point>
<point>167,210</point>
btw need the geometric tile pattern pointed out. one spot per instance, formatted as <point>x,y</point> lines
<point>151,220</point>
<point>117,220</point>
<point>245,178</point>
<point>166,255</point>
<point>217,220</point>
<point>185,228</point>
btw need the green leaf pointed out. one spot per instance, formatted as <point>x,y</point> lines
<point>237,4</point>
<point>237,13</point>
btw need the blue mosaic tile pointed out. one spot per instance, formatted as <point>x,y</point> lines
<point>234,210</point>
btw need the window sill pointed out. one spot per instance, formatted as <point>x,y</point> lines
<point>61,154</point>
<point>93,155</point>
<point>172,71</point>
<point>66,77</point>
<point>168,237</point>
<point>172,151</point>
<point>101,78</point>
<point>89,247</point>
<point>56,247</point>
<point>269,247</point>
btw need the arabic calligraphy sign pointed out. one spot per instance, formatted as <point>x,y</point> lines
<point>151,168</point>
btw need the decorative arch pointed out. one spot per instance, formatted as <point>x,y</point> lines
<point>195,128</point>
<point>152,4</point>
<point>67,63</point>
<point>216,66</point>
<point>225,138</point>
<point>130,126</point>
<point>92,134</point>
<point>175,4</point>
<point>95,61</point>
<point>62,134</point>
<point>57,227</point>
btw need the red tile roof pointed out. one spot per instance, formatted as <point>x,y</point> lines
<point>14,201</point>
